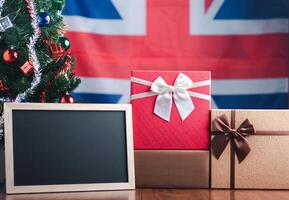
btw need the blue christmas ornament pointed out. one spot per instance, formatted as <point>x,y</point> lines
<point>43,19</point>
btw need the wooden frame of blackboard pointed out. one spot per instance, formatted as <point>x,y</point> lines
<point>9,160</point>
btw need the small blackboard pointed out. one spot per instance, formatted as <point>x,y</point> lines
<point>68,147</point>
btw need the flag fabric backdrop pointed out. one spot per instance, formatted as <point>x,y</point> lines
<point>244,43</point>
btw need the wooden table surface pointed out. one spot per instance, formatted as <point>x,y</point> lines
<point>157,194</point>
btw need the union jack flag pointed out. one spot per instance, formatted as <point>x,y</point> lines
<point>244,43</point>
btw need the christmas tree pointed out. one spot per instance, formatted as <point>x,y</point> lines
<point>36,63</point>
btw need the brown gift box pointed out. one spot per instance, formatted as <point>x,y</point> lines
<point>172,168</point>
<point>266,166</point>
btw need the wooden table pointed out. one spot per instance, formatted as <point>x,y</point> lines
<point>157,194</point>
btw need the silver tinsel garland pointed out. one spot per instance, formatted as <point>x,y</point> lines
<point>31,52</point>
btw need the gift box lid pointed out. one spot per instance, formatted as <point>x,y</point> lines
<point>153,132</point>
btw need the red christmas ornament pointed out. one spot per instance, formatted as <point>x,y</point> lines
<point>10,56</point>
<point>27,68</point>
<point>56,50</point>
<point>67,99</point>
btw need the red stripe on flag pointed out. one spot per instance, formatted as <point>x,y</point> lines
<point>115,56</point>
<point>207,4</point>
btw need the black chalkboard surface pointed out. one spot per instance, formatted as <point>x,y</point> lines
<point>63,147</point>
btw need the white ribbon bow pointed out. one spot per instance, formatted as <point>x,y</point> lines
<point>166,94</point>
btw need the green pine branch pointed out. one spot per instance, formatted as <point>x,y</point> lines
<point>17,38</point>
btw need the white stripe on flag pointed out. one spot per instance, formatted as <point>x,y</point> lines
<point>106,86</point>
<point>250,86</point>
<point>219,87</point>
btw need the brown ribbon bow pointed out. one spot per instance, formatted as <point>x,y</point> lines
<point>225,133</point>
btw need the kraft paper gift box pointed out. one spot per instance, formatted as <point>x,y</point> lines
<point>172,168</point>
<point>171,110</point>
<point>250,149</point>
<point>171,125</point>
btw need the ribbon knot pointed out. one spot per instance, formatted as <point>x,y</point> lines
<point>233,131</point>
<point>177,92</point>
<point>166,94</point>
<point>226,133</point>
<point>171,88</point>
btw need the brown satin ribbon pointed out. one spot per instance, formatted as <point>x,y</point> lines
<point>227,132</point>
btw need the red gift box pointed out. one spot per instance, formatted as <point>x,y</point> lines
<point>186,124</point>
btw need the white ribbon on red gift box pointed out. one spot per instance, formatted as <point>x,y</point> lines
<point>167,93</point>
